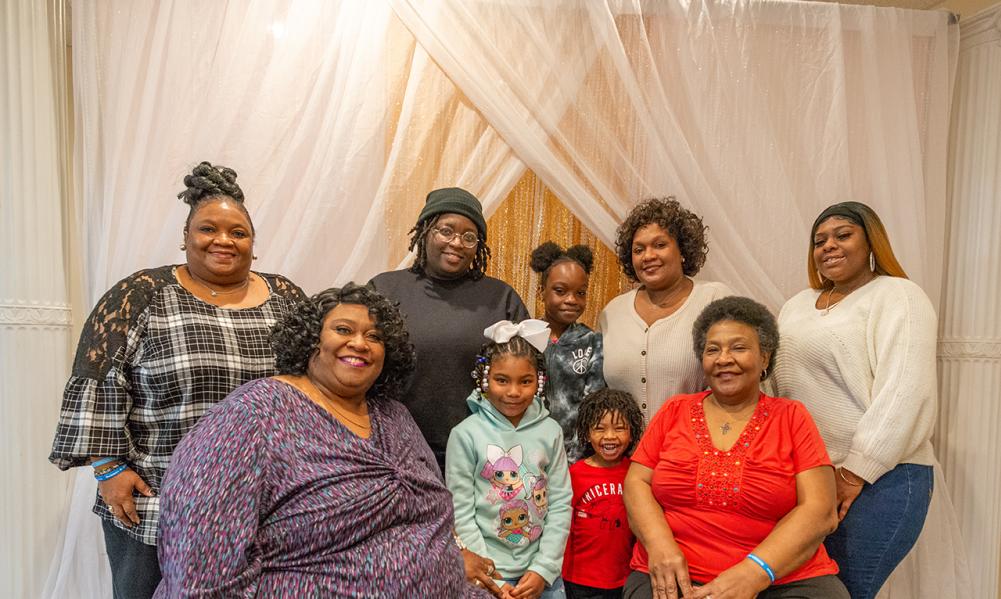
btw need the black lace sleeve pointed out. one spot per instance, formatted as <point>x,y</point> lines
<point>96,398</point>
<point>284,287</point>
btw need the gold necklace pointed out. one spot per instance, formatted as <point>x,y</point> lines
<point>333,406</point>
<point>830,294</point>
<point>215,293</point>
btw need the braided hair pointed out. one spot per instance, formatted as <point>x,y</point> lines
<point>517,347</point>
<point>601,402</point>
<point>549,254</point>
<point>418,245</point>
<point>207,182</point>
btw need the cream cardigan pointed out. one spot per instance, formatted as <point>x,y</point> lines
<point>657,361</point>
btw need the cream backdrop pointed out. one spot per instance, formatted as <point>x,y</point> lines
<point>340,116</point>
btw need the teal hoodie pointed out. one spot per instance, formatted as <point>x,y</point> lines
<point>510,488</point>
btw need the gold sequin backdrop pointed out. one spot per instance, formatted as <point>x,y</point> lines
<point>443,130</point>
<point>531,214</point>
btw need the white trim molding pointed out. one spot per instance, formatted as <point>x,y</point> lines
<point>982,28</point>
<point>19,314</point>
<point>969,349</point>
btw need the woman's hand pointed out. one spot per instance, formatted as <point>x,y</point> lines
<point>742,581</point>
<point>117,494</point>
<point>480,572</point>
<point>668,571</point>
<point>849,487</point>
<point>530,586</point>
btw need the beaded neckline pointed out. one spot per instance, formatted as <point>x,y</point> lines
<point>720,471</point>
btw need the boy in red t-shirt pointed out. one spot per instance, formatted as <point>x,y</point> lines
<point>596,563</point>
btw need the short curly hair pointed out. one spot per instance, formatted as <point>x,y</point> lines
<point>549,254</point>
<point>745,311</point>
<point>593,409</point>
<point>682,224</point>
<point>211,182</point>
<point>296,337</point>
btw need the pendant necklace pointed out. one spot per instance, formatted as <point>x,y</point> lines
<point>213,292</point>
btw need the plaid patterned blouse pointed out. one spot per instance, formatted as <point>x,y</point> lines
<point>152,359</point>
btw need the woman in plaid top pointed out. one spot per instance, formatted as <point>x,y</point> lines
<point>160,348</point>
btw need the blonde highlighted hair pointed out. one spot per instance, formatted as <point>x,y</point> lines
<point>875,234</point>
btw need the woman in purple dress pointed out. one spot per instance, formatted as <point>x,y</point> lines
<point>316,482</point>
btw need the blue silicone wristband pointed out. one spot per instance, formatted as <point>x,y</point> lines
<point>118,470</point>
<point>98,463</point>
<point>764,566</point>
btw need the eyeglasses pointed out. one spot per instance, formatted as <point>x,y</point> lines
<point>447,234</point>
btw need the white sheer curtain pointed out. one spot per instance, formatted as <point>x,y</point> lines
<point>34,307</point>
<point>340,116</point>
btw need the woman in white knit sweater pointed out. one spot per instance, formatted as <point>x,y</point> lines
<point>648,331</point>
<point>858,348</point>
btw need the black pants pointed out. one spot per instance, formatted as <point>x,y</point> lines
<point>579,591</point>
<point>135,571</point>
<point>821,587</point>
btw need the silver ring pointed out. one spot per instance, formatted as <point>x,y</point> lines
<point>477,583</point>
<point>490,569</point>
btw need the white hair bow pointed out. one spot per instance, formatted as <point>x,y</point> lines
<point>532,330</point>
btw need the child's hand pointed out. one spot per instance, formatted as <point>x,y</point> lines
<point>530,586</point>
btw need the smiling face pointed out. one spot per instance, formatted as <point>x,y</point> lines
<point>656,257</point>
<point>511,387</point>
<point>449,259</point>
<point>565,293</point>
<point>610,438</point>
<point>732,361</point>
<point>841,251</point>
<point>351,353</point>
<point>219,242</point>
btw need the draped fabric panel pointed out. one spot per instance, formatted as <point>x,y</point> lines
<point>341,116</point>
<point>970,337</point>
<point>35,314</point>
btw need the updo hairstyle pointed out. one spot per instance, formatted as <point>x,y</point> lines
<point>207,182</point>
<point>549,254</point>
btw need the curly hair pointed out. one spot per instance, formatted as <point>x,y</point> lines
<point>745,311</point>
<point>207,182</point>
<point>517,347</point>
<point>549,254</point>
<point>683,225</point>
<point>296,338</point>
<point>601,402</point>
<point>418,245</point>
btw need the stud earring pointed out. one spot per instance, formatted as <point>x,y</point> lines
<point>183,247</point>
<point>255,256</point>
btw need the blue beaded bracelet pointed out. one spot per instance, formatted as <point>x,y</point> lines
<point>113,473</point>
<point>98,463</point>
<point>764,566</point>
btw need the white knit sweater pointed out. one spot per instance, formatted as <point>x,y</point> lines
<point>657,361</point>
<point>866,372</point>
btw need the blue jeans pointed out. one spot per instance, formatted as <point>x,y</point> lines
<point>552,591</point>
<point>880,528</point>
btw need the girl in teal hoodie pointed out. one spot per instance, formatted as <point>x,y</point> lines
<point>506,466</point>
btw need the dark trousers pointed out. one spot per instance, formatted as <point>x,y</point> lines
<point>579,591</point>
<point>135,571</point>
<point>821,587</point>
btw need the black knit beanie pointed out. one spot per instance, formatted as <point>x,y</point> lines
<point>454,200</point>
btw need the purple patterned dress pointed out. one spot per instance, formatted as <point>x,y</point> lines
<point>270,496</point>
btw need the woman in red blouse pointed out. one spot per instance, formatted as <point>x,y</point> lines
<point>730,492</point>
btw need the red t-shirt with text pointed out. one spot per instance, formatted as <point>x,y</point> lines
<point>600,541</point>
